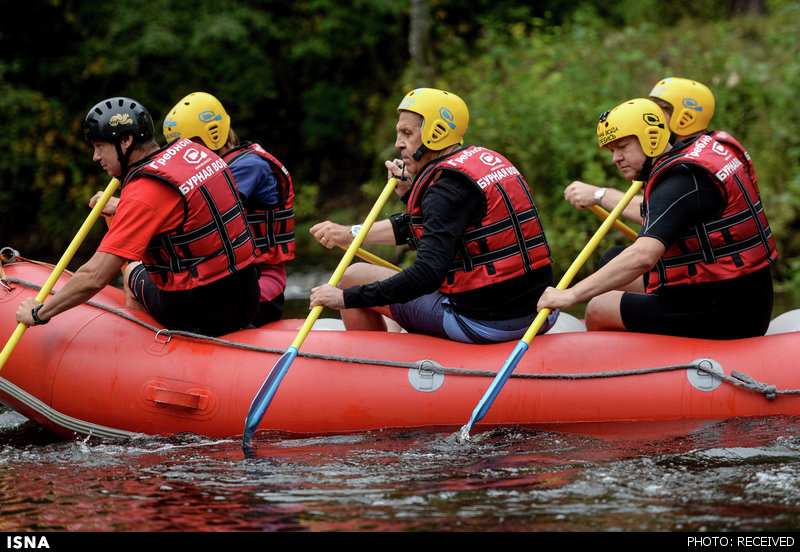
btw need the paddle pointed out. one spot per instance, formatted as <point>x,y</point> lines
<point>94,214</point>
<point>270,386</point>
<point>374,259</point>
<point>618,224</point>
<point>516,355</point>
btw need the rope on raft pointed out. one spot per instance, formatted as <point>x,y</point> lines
<point>736,378</point>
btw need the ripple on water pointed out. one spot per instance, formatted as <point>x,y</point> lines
<point>738,475</point>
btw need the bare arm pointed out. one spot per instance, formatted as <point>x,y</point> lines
<point>333,235</point>
<point>109,209</point>
<point>630,264</point>
<point>581,196</point>
<point>84,284</point>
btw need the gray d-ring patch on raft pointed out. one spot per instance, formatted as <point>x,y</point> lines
<point>701,379</point>
<point>427,376</point>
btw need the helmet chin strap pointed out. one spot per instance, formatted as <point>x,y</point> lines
<point>644,173</point>
<point>420,152</point>
<point>123,158</point>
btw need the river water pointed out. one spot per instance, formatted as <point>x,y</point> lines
<point>739,476</point>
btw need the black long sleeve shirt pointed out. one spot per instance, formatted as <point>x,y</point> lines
<point>449,207</point>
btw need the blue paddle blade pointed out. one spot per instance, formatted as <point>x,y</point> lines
<point>497,384</point>
<point>264,396</point>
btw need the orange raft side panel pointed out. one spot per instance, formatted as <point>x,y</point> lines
<point>105,369</point>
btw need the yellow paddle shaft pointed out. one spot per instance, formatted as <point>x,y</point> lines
<point>618,224</point>
<point>347,258</point>
<point>374,259</point>
<point>62,264</point>
<point>584,254</point>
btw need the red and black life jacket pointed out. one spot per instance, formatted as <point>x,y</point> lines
<point>272,229</point>
<point>738,150</point>
<point>213,240</point>
<point>508,241</point>
<point>738,242</point>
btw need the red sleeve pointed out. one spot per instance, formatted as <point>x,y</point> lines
<point>147,207</point>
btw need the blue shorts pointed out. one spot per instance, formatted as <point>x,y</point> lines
<point>432,315</point>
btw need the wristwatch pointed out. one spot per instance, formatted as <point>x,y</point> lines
<point>35,315</point>
<point>598,195</point>
<point>355,229</point>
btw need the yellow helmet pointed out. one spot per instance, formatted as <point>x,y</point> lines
<point>445,116</point>
<point>198,115</point>
<point>692,104</point>
<point>639,117</point>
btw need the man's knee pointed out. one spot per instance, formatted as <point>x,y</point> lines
<point>132,301</point>
<point>127,274</point>
<point>364,273</point>
<point>603,312</point>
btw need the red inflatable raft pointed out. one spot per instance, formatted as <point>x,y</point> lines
<point>101,369</point>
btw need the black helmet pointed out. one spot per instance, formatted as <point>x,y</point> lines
<point>111,119</point>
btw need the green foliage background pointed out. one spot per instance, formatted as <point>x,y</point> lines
<point>317,83</point>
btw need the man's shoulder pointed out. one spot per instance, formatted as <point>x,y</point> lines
<point>148,188</point>
<point>457,181</point>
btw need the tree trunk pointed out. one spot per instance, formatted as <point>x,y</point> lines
<point>419,34</point>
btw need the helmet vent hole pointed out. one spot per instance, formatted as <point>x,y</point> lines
<point>653,136</point>
<point>686,118</point>
<point>438,131</point>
